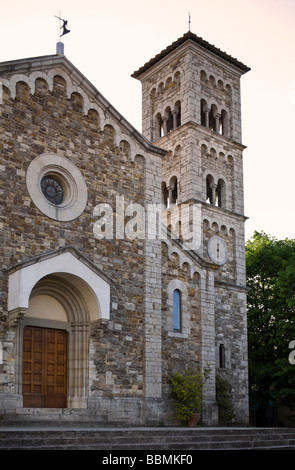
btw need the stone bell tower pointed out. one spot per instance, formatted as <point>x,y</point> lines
<point>191,106</point>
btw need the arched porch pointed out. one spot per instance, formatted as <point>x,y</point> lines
<point>60,292</point>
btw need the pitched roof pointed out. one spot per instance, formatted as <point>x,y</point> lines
<point>198,40</point>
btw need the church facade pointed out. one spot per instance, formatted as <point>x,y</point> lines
<point>122,253</point>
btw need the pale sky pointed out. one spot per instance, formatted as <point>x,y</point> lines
<point>109,40</point>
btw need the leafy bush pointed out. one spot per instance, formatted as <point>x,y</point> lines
<point>187,390</point>
<point>224,401</point>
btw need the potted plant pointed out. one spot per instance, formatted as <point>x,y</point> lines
<point>187,389</point>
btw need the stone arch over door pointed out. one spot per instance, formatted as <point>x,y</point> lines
<point>64,292</point>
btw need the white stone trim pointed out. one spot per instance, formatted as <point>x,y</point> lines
<point>185,316</point>
<point>93,287</point>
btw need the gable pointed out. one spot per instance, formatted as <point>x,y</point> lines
<point>46,68</point>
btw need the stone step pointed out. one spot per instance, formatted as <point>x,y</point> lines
<point>47,423</point>
<point>141,439</point>
<point>39,417</point>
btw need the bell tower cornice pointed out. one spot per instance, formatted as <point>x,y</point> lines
<point>207,134</point>
<point>192,38</point>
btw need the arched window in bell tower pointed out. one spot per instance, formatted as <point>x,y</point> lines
<point>159,131</point>
<point>224,124</point>
<point>177,115</point>
<point>168,121</point>
<point>215,121</point>
<point>173,191</point>
<point>212,118</point>
<point>177,79</point>
<point>204,111</point>
<point>220,193</point>
<point>215,193</point>
<point>209,189</point>
<point>164,194</point>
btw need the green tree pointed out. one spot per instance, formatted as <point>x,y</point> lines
<point>271,318</point>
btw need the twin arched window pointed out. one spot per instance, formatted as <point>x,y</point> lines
<point>169,121</point>
<point>215,193</point>
<point>170,193</point>
<point>214,120</point>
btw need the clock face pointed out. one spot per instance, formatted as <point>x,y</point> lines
<point>217,250</point>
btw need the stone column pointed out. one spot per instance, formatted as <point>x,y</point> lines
<point>213,188</point>
<point>170,195</point>
<point>153,306</point>
<point>217,122</point>
<point>174,113</point>
<point>165,125</point>
<point>207,352</point>
<point>78,366</point>
<point>207,117</point>
<point>12,398</point>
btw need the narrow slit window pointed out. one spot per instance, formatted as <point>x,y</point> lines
<point>221,356</point>
<point>177,310</point>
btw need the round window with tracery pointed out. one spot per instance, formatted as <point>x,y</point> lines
<point>57,187</point>
<point>52,190</point>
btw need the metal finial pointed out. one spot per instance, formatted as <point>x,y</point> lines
<point>189,21</point>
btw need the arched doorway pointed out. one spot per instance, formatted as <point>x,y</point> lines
<point>55,343</point>
<point>57,301</point>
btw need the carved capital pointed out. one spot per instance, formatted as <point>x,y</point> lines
<point>16,316</point>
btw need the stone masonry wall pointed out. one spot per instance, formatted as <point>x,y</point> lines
<point>180,350</point>
<point>49,122</point>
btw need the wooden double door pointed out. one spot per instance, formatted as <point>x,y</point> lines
<point>44,367</point>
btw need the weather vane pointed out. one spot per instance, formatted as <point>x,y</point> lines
<point>64,28</point>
